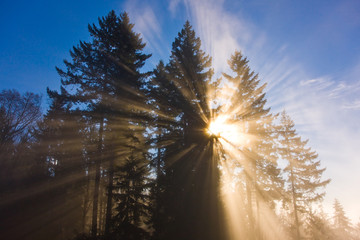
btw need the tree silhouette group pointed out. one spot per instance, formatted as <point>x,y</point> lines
<point>127,154</point>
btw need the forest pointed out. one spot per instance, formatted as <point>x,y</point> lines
<point>168,153</point>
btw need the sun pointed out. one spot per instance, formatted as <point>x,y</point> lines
<point>219,128</point>
<point>225,130</point>
<point>214,129</point>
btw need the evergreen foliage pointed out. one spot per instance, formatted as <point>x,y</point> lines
<point>126,154</point>
<point>318,227</point>
<point>303,171</point>
<point>342,224</point>
<point>184,159</point>
<point>261,178</point>
<point>105,72</point>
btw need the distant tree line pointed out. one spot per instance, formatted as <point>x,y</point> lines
<point>125,154</point>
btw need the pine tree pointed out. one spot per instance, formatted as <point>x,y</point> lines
<point>131,193</point>
<point>342,223</point>
<point>247,109</point>
<point>190,174</point>
<point>318,227</point>
<point>61,150</point>
<point>105,73</point>
<point>303,171</point>
<point>52,193</point>
<point>165,131</point>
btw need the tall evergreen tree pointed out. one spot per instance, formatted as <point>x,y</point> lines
<point>303,171</point>
<point>166,131</point>
<point>257,155</point>
<point>190,188</point>
<point>342,223</point>
<point>60,147</point>
<point>106,75</point>
<point>131,193</point>
<point>318,227</point>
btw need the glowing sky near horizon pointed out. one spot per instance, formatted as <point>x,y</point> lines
<point>307,52</point>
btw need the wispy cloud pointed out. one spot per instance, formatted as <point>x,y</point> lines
<point>148,24</point>
<point>355,105</point>
<point>173,4</point>
<point>323,82</point>
<point>222,32</point>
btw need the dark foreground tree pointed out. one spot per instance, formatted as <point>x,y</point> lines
<point>105,74</point>
<point>188,184</point>
<point>19,171</point>
<point>132,202</point>
<point>19,114</point>
<point>60,150</point>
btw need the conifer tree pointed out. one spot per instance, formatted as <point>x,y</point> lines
<point>258,155</point>
<point>165,132</point>
<point>52,192</point>
<point>342,223</point>
<point>131,192</point>
<point>60,148</point>
<point>303,171</point>
<point>318,227</point>
<point>132,200</point>
<point>106,75</point>
<point>190,171</point>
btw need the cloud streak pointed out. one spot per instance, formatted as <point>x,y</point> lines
<point>150,27</point>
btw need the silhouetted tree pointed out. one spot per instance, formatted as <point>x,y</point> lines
<point>105,74</point>
<point>19,171</point>
<point>188,172</point>
<point>60,148</point>
<point>165,132</point>
<point>132,207</point>
<point>19,114</point>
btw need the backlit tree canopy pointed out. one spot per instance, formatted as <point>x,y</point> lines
<point>170,153</point>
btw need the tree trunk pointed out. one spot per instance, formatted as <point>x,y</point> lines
<point>101,203</point>
<point>258,230</point>
<point>250,207</point>
<point>97,180</point>
<point>109,196</point>
<point>294,203</point>
<point>86,203</point>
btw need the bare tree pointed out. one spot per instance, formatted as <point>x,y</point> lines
<point>18,114</point>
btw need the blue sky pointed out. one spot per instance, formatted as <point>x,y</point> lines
<point>307,51</point>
